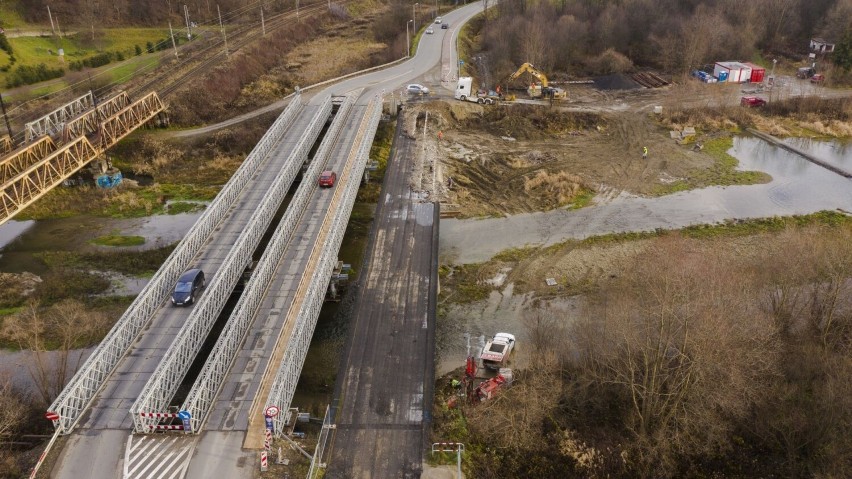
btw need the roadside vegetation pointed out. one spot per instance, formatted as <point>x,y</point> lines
<point>718,351</point>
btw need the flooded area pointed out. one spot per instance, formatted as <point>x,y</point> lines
<point>21,241</point>
<point>797,187</point>
<point>501,312</point>
<point>21,367</point>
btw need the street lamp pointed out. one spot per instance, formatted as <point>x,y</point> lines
<point>414,15</point>
<point>407,41</point>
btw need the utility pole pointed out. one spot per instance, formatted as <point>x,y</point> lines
<point>222,26</point>
<point>188,29</point>
<point>262,22</point>
<point>414,16</point>
<point>436,9</point>
<point>52,27</point>
<point>6,117</point>
<point>172,35</point>
<point>297,10</point>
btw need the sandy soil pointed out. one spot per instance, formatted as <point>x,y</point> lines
<point>532,158</point>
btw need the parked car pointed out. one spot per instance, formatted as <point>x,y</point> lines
<point>818,78</point>
<point>429,31</point>
<point>187,287</point>
<point>438,20</point>
<point>752,101</point>
<point>805,72</point>
<point>445,26</point>
<point>327,178</point>
<point>417,89</point>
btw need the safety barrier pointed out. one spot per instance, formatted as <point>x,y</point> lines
<point>89,379</point>
<point>200,399</point>
<point>164,382</point>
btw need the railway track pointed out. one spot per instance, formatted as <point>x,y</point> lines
<point>196,63</point>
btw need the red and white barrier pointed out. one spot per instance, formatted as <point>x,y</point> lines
<point>267,440</point>
<point>164,415</point>
<point>163,427</point>
<point>264,461</point>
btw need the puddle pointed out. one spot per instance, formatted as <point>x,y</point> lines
<point>21,241</point>
<point>835,153</point>
<point>798,187</point>
<point>20,366</point>
<point>501,312</point>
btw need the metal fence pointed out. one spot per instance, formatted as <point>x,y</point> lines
<point>200,399</point>
<point>88,380</point>
<point>166,379</point>
<point>318,271</point>
<point>316,460</point>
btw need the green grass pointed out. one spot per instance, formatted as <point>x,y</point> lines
<point>36,50</point>
<point>179,207</point>
<point>118,240</point>
<point>10,311</point>
<point>9,16</point>
<point>723,172</point>
<point>583,199</point>
<point>120,73</point>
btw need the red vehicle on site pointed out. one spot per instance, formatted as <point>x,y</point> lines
<point>327,178</point>
<point>752,101</point>
<point>818,78</point>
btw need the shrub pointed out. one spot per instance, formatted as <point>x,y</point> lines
<point>27,75</point>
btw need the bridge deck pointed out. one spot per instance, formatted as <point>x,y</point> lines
<point>110,408</point>
<point>231,409</point>
<point>386,380</point>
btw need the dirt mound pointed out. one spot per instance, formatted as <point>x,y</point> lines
<point>527,122</point>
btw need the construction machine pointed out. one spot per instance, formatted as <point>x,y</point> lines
<point>541,88</point>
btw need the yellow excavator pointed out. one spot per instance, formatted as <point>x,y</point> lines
<point>536,90</point>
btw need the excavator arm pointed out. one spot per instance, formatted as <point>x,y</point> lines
<point>529,68</point>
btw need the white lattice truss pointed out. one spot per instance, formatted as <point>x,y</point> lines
<point>166,379</point>
<point>200,399</point>
<point>88,380</point>
<point>53,122</point>
<point>312,288</point>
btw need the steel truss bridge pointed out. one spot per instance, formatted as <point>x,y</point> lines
<point>131,379</point>
<point>62,142</point>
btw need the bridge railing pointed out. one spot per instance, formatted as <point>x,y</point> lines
<point>200,399</point>
<point>52,123</point>
<point>87,123</point>
<point>167,378</point>
<point>29,185</point>
<point>314,287</point>
<point>23,158</point>
<point>89,379</point>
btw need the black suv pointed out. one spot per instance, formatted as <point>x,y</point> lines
<point>187,287</point>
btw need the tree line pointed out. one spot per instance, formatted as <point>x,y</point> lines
<point>606,36</point>
<point>702,359</point>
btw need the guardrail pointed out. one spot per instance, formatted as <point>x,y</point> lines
<point>53,122</point>
<point>313,286</point>
<point>200,399</point>
<point>89,379</point>
<point>166,379</point>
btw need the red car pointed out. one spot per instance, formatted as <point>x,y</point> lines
<point>752,101</point>
<point>818,78</point>
<point>327,178</point>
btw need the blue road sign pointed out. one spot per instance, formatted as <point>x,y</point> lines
<point>185,416</point>
<point>269,424</point>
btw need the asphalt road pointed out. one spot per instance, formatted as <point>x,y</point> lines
<point>386,380</point>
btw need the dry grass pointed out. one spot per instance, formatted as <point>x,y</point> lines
<point>561,186</point>
<point>330,57</point>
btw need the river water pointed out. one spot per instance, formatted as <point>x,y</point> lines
<point>797,187</point>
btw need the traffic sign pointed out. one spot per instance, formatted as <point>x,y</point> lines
<point>51,416</point>
<point>185,417</point>
<point>272,411</point>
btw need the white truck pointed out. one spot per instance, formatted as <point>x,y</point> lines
<point>495,354</point>
<point>464,92</point>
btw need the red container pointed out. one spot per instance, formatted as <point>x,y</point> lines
<point>757,73</point>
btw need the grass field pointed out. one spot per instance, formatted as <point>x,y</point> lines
<point>32,51</point>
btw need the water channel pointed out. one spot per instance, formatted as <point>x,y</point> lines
<point>798,187</point>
